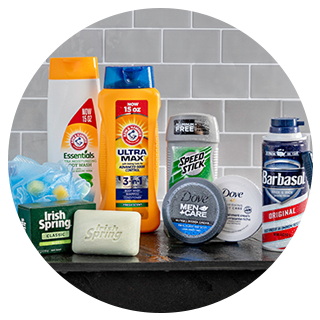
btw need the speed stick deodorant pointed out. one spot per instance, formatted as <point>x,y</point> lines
<point>192,147</point>
<point>73,118</point>
<point>129,149</point>
<point>284,182</point>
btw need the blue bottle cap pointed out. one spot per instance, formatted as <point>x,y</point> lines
<point>129,77</point>
<point>285,125</point>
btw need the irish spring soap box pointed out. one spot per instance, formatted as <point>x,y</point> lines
<point>49,225</point>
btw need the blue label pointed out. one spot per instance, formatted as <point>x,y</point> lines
<point>191,229</point>
<point>132,194</point>
<point>283,175</point>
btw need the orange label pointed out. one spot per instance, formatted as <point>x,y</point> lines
<point>132,154</point>
<point>80,144</point>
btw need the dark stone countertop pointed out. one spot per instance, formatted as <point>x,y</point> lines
<point>158,252</point>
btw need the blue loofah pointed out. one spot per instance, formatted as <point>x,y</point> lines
<point>31,182</point>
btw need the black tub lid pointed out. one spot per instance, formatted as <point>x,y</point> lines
<point>194,210</point>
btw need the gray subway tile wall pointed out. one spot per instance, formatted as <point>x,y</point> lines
<point>38,85</point>
<point>31,115</point>
<point>173,81</point>
<point>191,46</point>
<point>249,111</point>
<point>201,64</point>
<point>135,45</point>
<point>220,81</point>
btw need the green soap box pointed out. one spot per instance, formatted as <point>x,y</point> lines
<point>49,224</point>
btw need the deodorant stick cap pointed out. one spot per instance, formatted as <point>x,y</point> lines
<point>194,210</point>
<point>74,68</point>
<point>193,127</point>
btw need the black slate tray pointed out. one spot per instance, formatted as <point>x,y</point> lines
<point>160,252</point>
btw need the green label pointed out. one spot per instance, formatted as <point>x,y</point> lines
<point>132,205</point>
<point>191,162</point>
<point>54,243</point>
<point>55,235</point>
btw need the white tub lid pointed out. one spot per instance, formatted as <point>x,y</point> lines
<point>244,202</point>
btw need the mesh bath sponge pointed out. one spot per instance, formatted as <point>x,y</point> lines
<point>31,182</point>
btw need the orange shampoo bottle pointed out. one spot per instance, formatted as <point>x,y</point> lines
<point>129,149</point>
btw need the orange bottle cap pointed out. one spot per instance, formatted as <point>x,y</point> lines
<point>73,68</point>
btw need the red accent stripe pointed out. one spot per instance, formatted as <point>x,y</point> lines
<point>85,114</point>
<point>125,107</point>
<point>285,213</point>
<point>302,244</point>
<point>279,235</point>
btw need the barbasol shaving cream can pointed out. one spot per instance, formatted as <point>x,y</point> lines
<point>284,182</point>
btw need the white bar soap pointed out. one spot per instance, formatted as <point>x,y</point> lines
<point>106,232</point>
